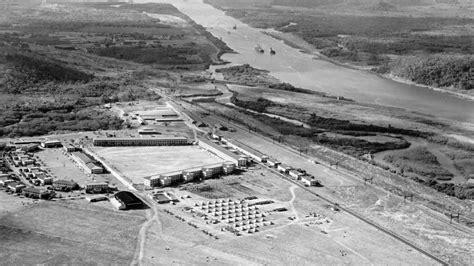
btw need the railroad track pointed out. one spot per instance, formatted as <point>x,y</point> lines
<point>362,218</point>
<point>342,172</point>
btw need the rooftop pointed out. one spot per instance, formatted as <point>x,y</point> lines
<point>93,165</point>
<point>213,166</point>
<point>127,198</point>
<point>97,183</point>
<point>145,138</point>
<point>15,184</point>
<point>221,149</point>
<point>197,169</point>
<point>64,182</point>
<point>52,141</point>
<point>296,172</point>
<point>172,173</point>
<point>34,190</point>
<point>83,157</point>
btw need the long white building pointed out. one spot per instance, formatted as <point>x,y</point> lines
<point>152,141</point>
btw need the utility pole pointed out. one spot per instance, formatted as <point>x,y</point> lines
<point>407,195</point>
<point>370,179</point>
<point>455,216</point>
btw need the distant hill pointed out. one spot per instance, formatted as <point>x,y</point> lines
<point>384,5</point>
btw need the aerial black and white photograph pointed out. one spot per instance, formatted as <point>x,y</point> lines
<point>236,132</point>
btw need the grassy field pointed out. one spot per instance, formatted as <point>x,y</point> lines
<point>69,233</point>
<point>138,162</point>
<point>419,160</point>
<point>11,202</point>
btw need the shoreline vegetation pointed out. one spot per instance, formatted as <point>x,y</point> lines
<point>258,96</point>
<point>304,49</point>
<point>432,51</point>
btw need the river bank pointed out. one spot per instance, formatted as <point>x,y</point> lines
<point>298,43</point>
<point>290,65</point>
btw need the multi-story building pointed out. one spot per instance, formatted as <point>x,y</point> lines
<point>36,193</point>
<point>5,180</point>
<point>171,178</point>
<point>16,186</point>
<point>94,168</point>
<point>273,162</point>
<point>192,174</point>
<point>44,179</point>
<point>296,174</point>
<point>212,171</point>
<point>51,144</point>
<point>29,147</point>
<point>309,181</point>
<point>283,168</point>
<point>255,155</point>
<point>89,164</point>
<point>68,147</point>
<point>152,181</point>
<point>220,151</point>
<point>228,168</point>
<point>148,131</point>
<point>153,141</point>
<point>65,185</point>
<point>97,187</point>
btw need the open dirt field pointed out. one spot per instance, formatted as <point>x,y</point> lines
<point>69,233</point>
<point>251,182</point>
<point>344,240</point>
<point>138,162</point>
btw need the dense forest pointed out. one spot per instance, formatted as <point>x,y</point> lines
<point>436,70</point>
<point>40,95</point>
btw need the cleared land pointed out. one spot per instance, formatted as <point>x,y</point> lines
<point>11,202</point>
<point>138,162</point>
<point>295,242</point>
<point>68,233</point>
<point>337,181</point>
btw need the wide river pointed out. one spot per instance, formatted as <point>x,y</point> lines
<point>303,70</point>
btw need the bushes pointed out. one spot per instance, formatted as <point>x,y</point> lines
<point>39,70</point>
<point>40,96</point>
<point>345,125</point>
<point>289,87</point>
<point>161,55</point>
<point>259,106</point>
<point>44,123</point>
<point>436,70</point>
<point>419,161</point>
